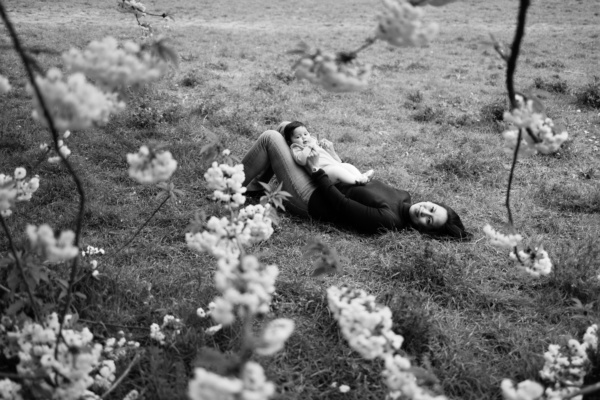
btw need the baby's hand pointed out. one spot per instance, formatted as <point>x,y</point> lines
<point>326,144</point>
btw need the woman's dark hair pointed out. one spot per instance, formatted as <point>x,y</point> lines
<point>288,131</point>
<point>452,229</point>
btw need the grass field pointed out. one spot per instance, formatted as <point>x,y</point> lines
<point>430,123</point>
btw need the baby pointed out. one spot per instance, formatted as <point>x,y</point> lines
<point>303,145</point>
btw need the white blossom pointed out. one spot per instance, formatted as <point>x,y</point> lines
<point>327,71</point>
<point>149,166</point>
<point>112,67</point>
<point>131,7</point>
<point>53,249</point>
<point>274,336</point>
<point>526,390</point>
<point>535,262</point>
<point>401,25</point>
<point>73,102</point>
<point>10,390</point>
<point>255,384</point>
<point>209,386</point>
<point>501,240</point>
<point>4,85</point>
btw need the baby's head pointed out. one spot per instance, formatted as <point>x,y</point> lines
<point>293,135</point>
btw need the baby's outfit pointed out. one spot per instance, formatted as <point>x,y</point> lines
<point>301,152</point>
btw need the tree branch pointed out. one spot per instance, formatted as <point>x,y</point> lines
<point>514,52</point>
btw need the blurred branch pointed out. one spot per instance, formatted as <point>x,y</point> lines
<point>586,390</point>
<point>55,136</point>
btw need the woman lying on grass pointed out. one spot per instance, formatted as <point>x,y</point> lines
<point>368,208</point>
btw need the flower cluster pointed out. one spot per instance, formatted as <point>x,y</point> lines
<point>131,7</point>
<point>73,102</point>
<point>91,251</point>
<point>112,67</point>
<point>4,85</point>
<point>16,188</point>
<point>226,181</point>
<point>366,326</point>
<point>400,25</point>
<point>500,240</point>
<point>534,261</point>
<point>245,285</point>
<point>333,74</point>
<point>564,370</point>
<point>168,331</point>
<point>149,166</point>
<point>526,390</point>
<point>566,366</point>
<point>68,367</point>
<point>274,336</point>
<point>538,132</point>
<point>115,349</point>
<point>251,385</point>
<point>10,390</point>
<point>52,249</point>
<point>222,238</point>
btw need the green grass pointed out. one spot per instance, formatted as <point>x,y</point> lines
<point>429,123</point>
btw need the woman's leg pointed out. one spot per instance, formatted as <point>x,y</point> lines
<point>271,151</point>
<point>339,173</point>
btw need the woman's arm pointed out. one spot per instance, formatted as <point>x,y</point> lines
<point>331,205</point>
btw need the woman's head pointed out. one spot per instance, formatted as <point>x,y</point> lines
<point>437,219</point>
<point>289,129</point>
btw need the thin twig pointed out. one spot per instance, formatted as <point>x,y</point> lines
<point>123,376</point>
<point>13,250</point>
<point>368,42</point>
<point>141,227</point>
<point>586,390</point>
<point>514,52</point>
<point>510,178</point>
<point>510,87</point>
<point>347,56</point>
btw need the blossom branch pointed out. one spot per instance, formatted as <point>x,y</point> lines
<point>55,137</point>
<point>510,87</point>
<point>13,250</point>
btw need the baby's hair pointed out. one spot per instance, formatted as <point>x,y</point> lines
<point>288,131</point>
